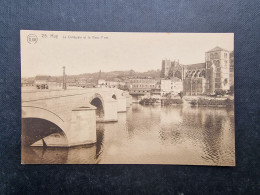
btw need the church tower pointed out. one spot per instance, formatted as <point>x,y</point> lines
<point>171,69</point>
<point>166,65</point>
<point>217,70</point>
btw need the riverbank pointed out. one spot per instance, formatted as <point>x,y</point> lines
<point>149,101</point>
<point>167,102</point>
<point>227,101</point>
<point>164,102</point>
<point>223,101</point>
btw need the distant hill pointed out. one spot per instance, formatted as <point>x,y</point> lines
<point>93,77</point>
<point>122,75</point>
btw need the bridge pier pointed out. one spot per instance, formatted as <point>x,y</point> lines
<point>81,131</point>
<point>110,111</point>
<point>121,97</point>
<point>121,104</point>
<point>83,126</point>
<point>128,100</point>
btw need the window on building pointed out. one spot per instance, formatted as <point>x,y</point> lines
<point>217,80</point>
<point>218,75</point>
<point>225,55</point>
<point>225,64</point>
<point>217,85</point>
<point>225,81</point>
<point>217,63</point>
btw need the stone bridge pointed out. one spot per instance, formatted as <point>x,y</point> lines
<point>65,118</point>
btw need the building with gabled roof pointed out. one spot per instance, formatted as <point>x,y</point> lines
<point>45,82</point>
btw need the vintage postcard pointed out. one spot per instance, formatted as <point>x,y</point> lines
<point>127,98</point>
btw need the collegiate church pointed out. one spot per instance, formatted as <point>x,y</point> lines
<point>215,74</point>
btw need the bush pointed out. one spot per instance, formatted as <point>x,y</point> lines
<point>172,101</point>
<point>181,94</point>
<point>231,90</point>
<point>212,102</point>
<point>147,101</point>
<point>176,101</point>
<point>203,101</point>
<point>194,102</point>
<point>229,102</point>
<point>220,92</point>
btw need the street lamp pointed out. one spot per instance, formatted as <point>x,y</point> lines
<point>64,84</point>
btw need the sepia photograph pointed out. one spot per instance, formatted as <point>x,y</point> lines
<point>127,98</point>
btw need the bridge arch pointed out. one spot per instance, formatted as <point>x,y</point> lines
<point>98,101</point>
<point>39,112</point>
<point>39,123</point>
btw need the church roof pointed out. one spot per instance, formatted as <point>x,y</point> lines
<point>194,66</point>
<point>175,79</point>
<point>217,49</point>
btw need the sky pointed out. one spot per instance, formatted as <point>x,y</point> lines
<point>88,52</point>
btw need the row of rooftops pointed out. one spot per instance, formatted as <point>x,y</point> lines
<point>54,79</point>
<point>60,79</point>
<point>50,78</point>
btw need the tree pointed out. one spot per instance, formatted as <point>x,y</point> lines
<point>181,94</point>
<point>231,90</point>
<point>168,95</point>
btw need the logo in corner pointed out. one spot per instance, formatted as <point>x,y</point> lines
<point>32,39</point>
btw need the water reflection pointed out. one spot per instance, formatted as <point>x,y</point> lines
<point>87,154</point>
<point>153,135</point>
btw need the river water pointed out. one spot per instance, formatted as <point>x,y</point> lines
<point>153,135</point>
